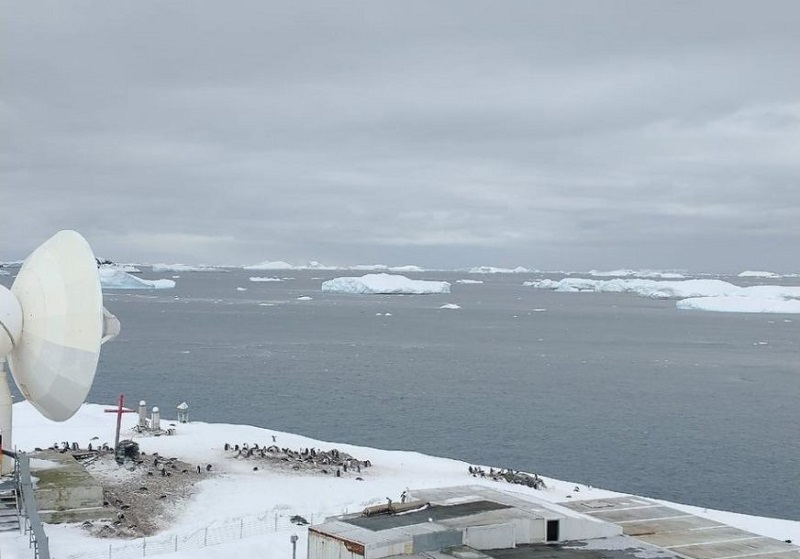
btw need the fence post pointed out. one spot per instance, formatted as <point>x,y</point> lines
<point>241,527</point>
<point>144,547</point>
<point>205,537</point>
<point>176,542</point>
<point>109,551</point>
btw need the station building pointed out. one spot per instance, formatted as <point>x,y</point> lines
<point>436,519</point>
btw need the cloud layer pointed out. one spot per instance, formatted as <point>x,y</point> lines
<point>558,135</point>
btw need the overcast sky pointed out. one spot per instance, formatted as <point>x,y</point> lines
<point>552,135</point>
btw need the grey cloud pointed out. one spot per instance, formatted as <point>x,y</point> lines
<point>561,135</point>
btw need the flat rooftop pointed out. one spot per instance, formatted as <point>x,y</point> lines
<point>432,513</point>
<point>681,533</point>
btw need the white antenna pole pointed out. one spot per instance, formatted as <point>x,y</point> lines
<point>5,418</point>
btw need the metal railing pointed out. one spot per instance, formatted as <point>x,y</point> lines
<point>29,511</point>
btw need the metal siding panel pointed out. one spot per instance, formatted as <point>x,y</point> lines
<point>499,536</point>
<point>435,541</point>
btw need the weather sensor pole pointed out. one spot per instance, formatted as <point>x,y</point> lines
<point>52,323</point>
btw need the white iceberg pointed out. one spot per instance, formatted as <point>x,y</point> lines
<point>183,268</point>
<point>741,304</point>
<point>387,284</point>
<point>114,278</point>
<point>710,295</point>
<point>450,306</point>
<point>493,270</point>
<point>368,267</point>
<point>626,273</point>
<point>758,274</point>
<point>408,268</point>
<point>129,268</point>
<point>263,279</point>
<point>469,281</point>
<point>269,265</point>
<point>646,288</point>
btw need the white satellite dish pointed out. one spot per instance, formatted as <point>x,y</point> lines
<point>52,323</point>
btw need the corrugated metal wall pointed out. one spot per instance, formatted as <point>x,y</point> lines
<point>321,546</point>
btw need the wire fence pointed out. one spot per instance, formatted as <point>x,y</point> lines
<point>213,534</point>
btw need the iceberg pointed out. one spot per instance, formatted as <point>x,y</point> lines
<point>709,295</point>
<point>385,284</point>
<point>408,268</point>
<point>469,281</point>
<point>646,288</point>
<point>626,273</point>
<point>493,270</point>
<point>268,265</point>
<point>129,268</point>
<point>450,306</point>
<point>263,279</point>
<point>182,268</point>
<point>114,278</point>
<point>741,304</point>
<point>758,274</point>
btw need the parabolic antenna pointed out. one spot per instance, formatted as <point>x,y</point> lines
<point>52,323</point>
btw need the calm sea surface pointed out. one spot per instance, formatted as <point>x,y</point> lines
<point>612,390</point>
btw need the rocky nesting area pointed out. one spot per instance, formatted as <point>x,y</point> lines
<point>140,493</point>
<point>329,462</point>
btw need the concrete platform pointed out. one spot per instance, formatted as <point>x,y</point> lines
<point>683,534</point>
<point>65,491</point>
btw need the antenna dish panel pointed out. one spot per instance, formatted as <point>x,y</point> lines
<point>58,288</point>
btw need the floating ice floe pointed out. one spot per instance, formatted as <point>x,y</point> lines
<point>388,284</point>
<point>304,298</point>
<point>129,268</point>
<point>114,278</point>
<point>626,273</point>
<point>709,295</point>
<point>469,281</point>
<point>741,304</point>
<point>183,268</point>
<point>263,279</point>
<point>241,289</point>
<point>758,274</point>
<point>493,270</point>
<point>450,306</point>
<point>268,265</point>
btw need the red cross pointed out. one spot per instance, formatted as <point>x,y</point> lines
<point>119,411</point>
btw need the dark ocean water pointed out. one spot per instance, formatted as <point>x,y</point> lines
<point>613,390</point>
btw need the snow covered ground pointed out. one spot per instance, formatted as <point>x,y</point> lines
<point>237,495</point>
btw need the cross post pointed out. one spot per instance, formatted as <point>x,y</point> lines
<point>119,410</point>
